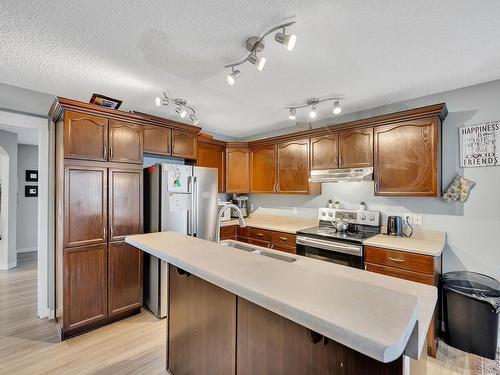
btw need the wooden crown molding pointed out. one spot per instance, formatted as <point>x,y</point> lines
<point>62,104</point>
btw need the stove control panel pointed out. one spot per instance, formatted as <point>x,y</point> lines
<point>351,216</point>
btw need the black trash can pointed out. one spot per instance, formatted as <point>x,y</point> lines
<point>471,308</point>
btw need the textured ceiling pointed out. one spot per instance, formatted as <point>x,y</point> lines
<point>373,53</point>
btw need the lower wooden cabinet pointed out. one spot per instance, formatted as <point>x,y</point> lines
<point>201,327</point>
<point>85,281</point>
<point>125,275</point>
<point>261,237</point>
<point>228,233</point>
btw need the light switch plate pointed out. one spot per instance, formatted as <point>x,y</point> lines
<point>417,220</point>
<point>294,210</point>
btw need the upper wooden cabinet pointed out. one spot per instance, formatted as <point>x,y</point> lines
<point>85,136</point>
<point>407,158</point>
<point>125,203</point>
<point>183,144</point>
<point>325,152</point>
<point>356,148</point>
<point>293,167</point>
<point>213,155</point>
<point>263,162</point>
<point>125,142</point>
<point>86,205</point>
<point>237,175</point>
<point>157,140</point>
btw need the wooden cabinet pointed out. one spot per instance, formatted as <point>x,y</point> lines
<point>157,140</point>
<point>293,167</point>
<point>356,148</point>
<point>263,169</point>
<point>237,164</point>
<point>183,144</point>
<point>125,142</point>
<point>125,203</point>
<point>262,237</point>
<point>213,156</point>
<point>268,343</point>
<point>85,293</point>
<point>228,232</point>
<point>419,268</point>
<point>201,326</point>
<point>125,264</point>
<point>407,158</point>
<point>261,234</point>
<point>85,136</point>
<point>85,200</point>
<point>324,152</point>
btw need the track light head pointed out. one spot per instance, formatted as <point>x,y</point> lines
<point>158,101</point>
<point>288,40</point>
<point>258,61</point>
<point>232,77</point>
<point>181,111</point>
<point>292,116</point>
<point>336,107</point>
<point>312,114</point>
<point>193,119</point>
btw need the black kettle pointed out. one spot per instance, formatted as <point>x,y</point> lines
<point>395,226</point>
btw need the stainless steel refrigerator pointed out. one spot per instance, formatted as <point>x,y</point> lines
<point>179,198</point>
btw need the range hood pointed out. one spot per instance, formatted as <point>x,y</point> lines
<point>342,175</point>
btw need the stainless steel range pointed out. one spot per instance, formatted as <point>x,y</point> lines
<point>339,236</point>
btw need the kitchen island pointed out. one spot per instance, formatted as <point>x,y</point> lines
<point>284,315</point>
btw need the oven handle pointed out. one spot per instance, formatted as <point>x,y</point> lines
<point>330,246</point>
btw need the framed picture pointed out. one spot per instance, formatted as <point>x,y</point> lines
<point>31,176</point>
<point>105,101</point>
<point>31,191</point>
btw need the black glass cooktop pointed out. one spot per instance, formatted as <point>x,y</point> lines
<point>353,234</point>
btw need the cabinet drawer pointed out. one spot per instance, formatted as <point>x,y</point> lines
<point>400,259</point>
<point>259,242</point>
<point>243,232</point>
<point>228,232</point>
<point>260,234</point>
<point>281,238</point>
<point>285,248</point>
<point>401,274</point>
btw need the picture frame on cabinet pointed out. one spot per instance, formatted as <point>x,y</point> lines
<point>105,101</point>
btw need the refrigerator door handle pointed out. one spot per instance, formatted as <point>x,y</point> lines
<point>194,206</point>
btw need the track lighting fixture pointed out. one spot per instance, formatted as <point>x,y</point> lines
<point>255,45</point>
<point>313,102</point>
<point>182,107</point>
<point>233,76</point>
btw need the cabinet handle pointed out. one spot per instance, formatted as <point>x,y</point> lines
<point>110,232</point>
<point>340,160</point>
<point>104,231</point>
<point>397,260</point>
<point>283,238</point>
<point>110,152</point>
<point>105,152</point>
<point>259,234</point>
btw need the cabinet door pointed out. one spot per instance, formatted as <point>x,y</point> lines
<point>293,167</point>
<point>213,156</point>
<point>85,205</point>
<point>125,203</point>
<point>85,136</point>
<point>85,291</point>
<point>263,169</point>
<point>125,142</point>
<point>407,159</point>
<point>270,344</point>
<point>324,152</point>
<point>202,327</point>
<point>157,140</point>
<point>237,175</point>
<point>183,144</point>
<point>124,278</point>
<point>356,148</point>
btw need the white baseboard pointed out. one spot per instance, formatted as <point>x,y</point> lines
<point>27,250</point>
<point>5,267</point>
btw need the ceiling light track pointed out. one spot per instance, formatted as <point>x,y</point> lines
<point>255,45</point>
<point>181,107</point>
<point>313,103</point>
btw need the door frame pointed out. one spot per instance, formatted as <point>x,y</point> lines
<point>45,239</point>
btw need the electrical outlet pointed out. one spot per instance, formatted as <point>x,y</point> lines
<point>417,220</point>
<point>294,210</point>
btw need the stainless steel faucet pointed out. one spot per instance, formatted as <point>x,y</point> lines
<point>219,216</point>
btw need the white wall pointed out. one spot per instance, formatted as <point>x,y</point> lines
<point>27,208</point>
<point>8,141</point>
<point>473,228</point>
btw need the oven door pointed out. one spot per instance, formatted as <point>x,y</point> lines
<point>344,253</point>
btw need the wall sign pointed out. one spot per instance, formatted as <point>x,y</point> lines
<point>31,191</point>
<point>479,145</point>
<point>31,175</point>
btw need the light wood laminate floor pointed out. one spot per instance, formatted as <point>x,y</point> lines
<point>132,346</point>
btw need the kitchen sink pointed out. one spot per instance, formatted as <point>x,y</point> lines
<point>257,250</point>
